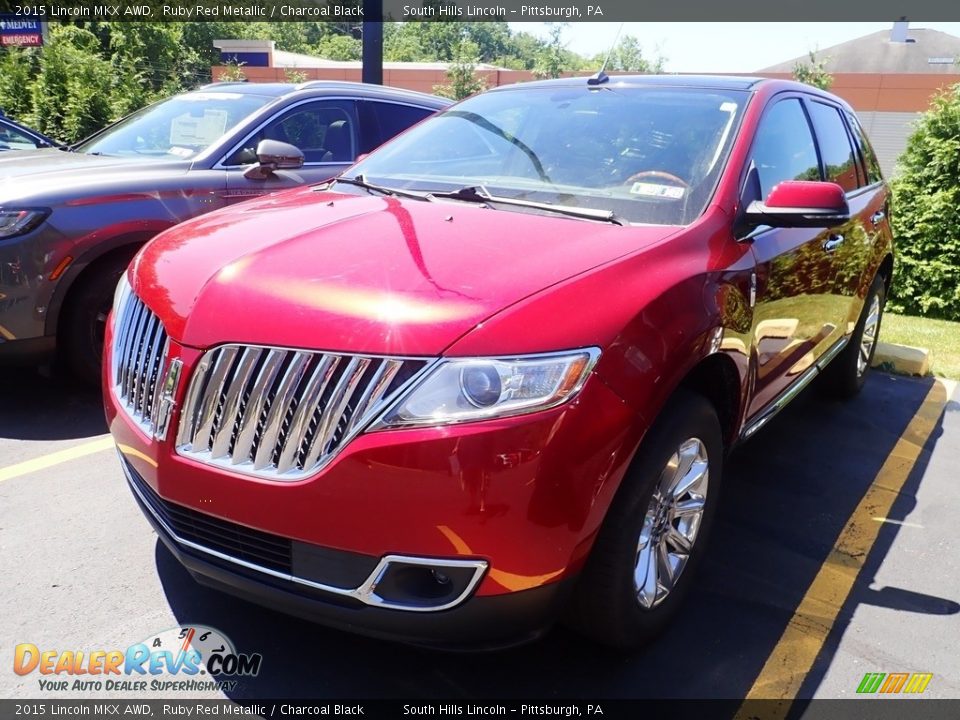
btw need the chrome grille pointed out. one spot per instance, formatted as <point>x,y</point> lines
<point>282,414</point>
<point>140,348</point>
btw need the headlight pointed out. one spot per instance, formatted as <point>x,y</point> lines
<point>479,388</point>
<point>120,294</point>
<point>17,222</point>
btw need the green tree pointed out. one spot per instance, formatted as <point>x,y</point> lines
<point>551,62</point>
<point>17,69</point>
<point>813,72</point>
<point>926,214</point>
<point>339,47</point>
<point>627,56</point>
<point>232,72</point>
<point>72,94</point>
<point>462,75</point>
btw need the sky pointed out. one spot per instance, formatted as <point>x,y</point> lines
<point>722,47</point>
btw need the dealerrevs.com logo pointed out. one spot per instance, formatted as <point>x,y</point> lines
<point>190,658</point>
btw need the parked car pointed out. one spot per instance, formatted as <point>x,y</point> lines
<point>14,136</point>
<point>490,375</point>
<point>71,221</point>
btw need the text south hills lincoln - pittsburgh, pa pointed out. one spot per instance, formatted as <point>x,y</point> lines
<point>547,12</point>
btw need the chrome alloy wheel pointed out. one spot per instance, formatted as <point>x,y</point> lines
<point>869,337</point>
<point>671,523</point>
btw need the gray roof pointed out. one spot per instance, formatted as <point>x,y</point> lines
<point>875,53</point>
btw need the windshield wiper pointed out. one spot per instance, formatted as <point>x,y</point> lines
<point>479,194</point>
<point>360,182</point>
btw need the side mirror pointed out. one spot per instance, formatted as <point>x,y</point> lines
<point>274,155</point>
<point>800,203</point>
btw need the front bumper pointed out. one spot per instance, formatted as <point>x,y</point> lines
<point>520,498</point>
<point>481,623</point>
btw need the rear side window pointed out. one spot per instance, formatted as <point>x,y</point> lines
<point>783,148</point>
<point>389,119</point>
<point>870,161</point>
<point>838,159</point>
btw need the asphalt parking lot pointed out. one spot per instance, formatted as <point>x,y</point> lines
<point>826,490</point>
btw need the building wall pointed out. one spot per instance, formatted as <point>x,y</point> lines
<point>888,132</point>
<point>420,80</point>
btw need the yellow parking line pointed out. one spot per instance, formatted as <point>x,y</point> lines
<point>793,656</point>
<point>61,456</point>
<point>6,333</point>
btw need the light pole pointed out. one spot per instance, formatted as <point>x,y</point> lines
<point>373,41</point>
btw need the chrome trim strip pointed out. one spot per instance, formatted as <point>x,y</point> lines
<point>784,398</point>
<point>365,593</point>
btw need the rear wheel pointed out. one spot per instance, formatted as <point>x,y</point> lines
<point>653,538</point>
<point>84,321</point>
<point>845,375</point>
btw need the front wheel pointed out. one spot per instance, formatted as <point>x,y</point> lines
<point>84,321</point>
<point>653,538</point>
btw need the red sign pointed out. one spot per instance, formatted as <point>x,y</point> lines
<point>24,40</point>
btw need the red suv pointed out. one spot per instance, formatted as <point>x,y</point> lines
<point>489,376</point>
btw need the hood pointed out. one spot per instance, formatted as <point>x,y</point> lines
<point>56,174</point>
<point>362,274</point>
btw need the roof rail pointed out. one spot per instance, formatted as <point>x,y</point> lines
<point>221,83</point>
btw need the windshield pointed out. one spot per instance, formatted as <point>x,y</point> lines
<point>180,127</point>
<point>648,154</point>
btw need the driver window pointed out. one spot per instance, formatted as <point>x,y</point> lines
<point>324,131</point>
<point>783,147</point>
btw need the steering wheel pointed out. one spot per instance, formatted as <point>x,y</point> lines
<point>660,175</point>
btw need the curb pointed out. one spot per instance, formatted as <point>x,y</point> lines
<point>902,359</point>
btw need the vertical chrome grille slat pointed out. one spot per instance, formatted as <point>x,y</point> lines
<point>282,414</point>
<point>306,408</point>
<point>279,409</point>
<point>247,426</point>
<point>150,339</point>
<point>188,418</point>
<point>207,413</point>
<point>122,334</point>
<point>374,391</point>
<point>232,398</point>
<point>334,410</point>
<point>140,352</point>
<point>136,364</point>
<point>128,375</point>
<point>158,383</point>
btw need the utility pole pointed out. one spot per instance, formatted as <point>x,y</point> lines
<point>373,41</point>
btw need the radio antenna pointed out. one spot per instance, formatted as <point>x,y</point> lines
<point>601,76</point>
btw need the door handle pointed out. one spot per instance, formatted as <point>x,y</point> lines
<point>878,217</point>
<point>833,242</point>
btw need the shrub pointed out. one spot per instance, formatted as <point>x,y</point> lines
<point>926,217</point>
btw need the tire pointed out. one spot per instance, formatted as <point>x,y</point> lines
<point>843,378</point>
<point>84,319</point>
<point>609,605</point>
